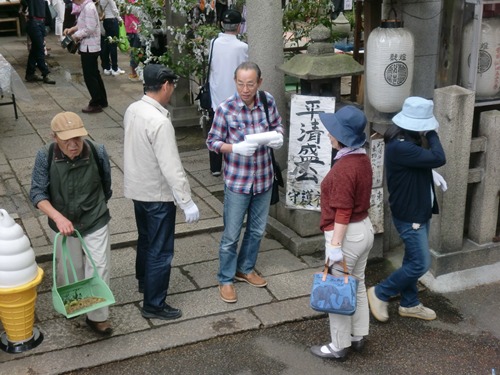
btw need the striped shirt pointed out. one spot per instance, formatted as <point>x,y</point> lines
<point>232,121</point>
<point>89,29</point>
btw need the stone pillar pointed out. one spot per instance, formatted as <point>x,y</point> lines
<point>454,110</point>
<point>183,112</point>
<point>265,47</point>
<point>484,195</point>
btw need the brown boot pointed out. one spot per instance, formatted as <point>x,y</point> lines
<point>228,293</point>
<point>104,328</point>
<point>252,278</point>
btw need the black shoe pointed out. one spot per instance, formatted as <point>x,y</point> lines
<point>141,289</point>
<point>33,78</point>
<point>168,313</point>
<point>341,355</point>
<point>48,80</point>
<point>92,109</point>
<point>358,346</point>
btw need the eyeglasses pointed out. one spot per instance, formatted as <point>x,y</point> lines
<point>249,85</point>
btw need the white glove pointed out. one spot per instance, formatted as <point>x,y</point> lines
<point>192,213</point>
<point>439,180</point>
<point>333,254</point>
<point>276,143</point>
<point>245,148</point>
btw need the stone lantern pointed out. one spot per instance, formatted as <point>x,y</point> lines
<point>320,69</point>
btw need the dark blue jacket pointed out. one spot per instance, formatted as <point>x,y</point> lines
<point>408,170</point>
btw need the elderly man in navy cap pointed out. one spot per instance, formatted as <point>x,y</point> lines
<point>156,182</point>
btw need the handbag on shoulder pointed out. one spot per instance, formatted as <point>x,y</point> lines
<point>204,93</point>
<point>278,176</point>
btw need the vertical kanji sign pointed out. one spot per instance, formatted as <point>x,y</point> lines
<point>309,152</point>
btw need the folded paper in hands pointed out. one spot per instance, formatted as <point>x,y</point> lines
<point>262,138</point>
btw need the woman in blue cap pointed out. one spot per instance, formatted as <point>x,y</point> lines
<point>408,168</point>
<point>345,200</point>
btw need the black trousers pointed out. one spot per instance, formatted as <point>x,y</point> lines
<point>93,79</point>
<point>215,158</point>
<point>36,59</point>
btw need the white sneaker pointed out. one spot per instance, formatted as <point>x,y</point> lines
<point>107,72</point>
<point>115,73</point>
<point>419,312</point>
<point>121,71</point>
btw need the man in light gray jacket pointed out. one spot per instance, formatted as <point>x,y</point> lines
<point>156,182</point>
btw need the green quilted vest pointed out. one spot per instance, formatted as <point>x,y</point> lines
<point>76,191</point>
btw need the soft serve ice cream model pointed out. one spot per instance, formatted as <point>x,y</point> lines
<point>19,278</point>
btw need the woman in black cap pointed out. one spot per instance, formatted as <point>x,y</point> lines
<point>345,200</point>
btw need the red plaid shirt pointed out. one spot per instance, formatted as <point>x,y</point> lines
<point>232,121</point>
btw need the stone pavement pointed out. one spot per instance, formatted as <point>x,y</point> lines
<point>69,344</point>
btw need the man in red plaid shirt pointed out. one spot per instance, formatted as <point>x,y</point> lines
<point>248,176</point>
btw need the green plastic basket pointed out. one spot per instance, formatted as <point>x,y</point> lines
<point>79,291</point>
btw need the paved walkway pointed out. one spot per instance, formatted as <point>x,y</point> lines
<point>193,283</point>
<point>69,344</point>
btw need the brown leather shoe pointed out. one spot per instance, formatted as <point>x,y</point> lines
<point>252,278</point>
<point>228,293</point>
<point>104,328</point>
<point>92,109</point>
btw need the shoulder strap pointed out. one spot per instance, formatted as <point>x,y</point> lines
<point>210,58</point>
<point>51,154</point>
<point>96,158</point>
<point>263,99</point>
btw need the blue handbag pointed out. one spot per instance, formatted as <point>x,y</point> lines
<point>334,294</point>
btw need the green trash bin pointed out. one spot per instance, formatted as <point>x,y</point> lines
<point>81,296</point>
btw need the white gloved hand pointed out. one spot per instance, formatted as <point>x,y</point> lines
<point>245,148</point>
<point>276,143</point>
<point>439,181</point>
<point>333,254</point>
<point>192,213</point>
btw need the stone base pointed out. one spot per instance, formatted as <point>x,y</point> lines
<point>471,255</point>
<point>184,116</point>
<point>282,222</point>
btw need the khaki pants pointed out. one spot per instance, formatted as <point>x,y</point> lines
<point>356,246</point>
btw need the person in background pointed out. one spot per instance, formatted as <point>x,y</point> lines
<point>71,184</point>
<point>132,28</point>
<point>87,31</point>
<point>248,176</point>
<point>412,198</point>
<point>156,181</point>
<point>228,52</point>
<point>345,200</point>
<point>60,8</point>
<point>35,28</point>
<point>109,49</point>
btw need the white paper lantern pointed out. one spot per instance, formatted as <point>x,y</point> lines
<point>389,66</point>
<point>488,66</point>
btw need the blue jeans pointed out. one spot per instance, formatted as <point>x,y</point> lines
<point>36,31</point>
<point>109,50</point>
<point>416,262</point>
<point>155,250</point>
<point>236,206</point>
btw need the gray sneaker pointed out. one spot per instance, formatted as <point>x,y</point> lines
<point>377,306</point>
<point>419,312</point>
